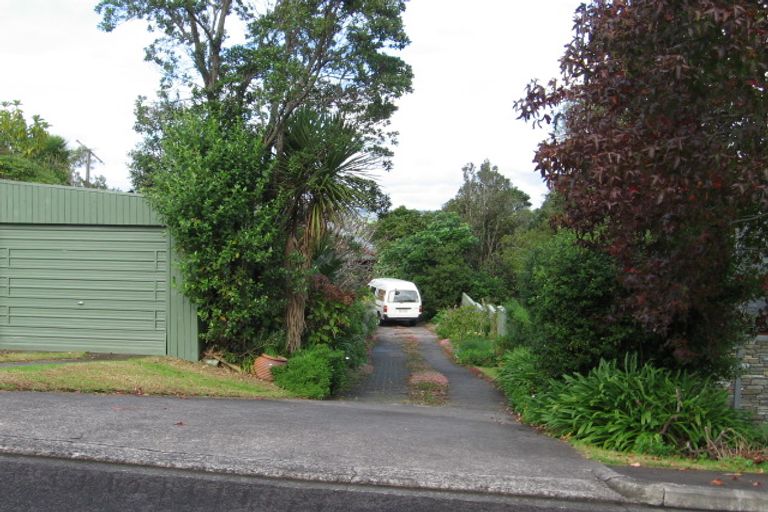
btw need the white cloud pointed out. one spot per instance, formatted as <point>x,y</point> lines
<point>80,80</point>
<point>471,61</point>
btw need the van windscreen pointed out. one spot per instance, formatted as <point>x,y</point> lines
<point>405,296</point>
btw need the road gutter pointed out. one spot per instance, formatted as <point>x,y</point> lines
<point>682,496</point>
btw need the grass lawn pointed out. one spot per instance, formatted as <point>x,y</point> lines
<point>140,375</point>
<point>492,372</point>
<point>23,357</point>
<point>734,465</point>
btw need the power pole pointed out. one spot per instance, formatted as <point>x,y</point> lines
<point>88,155</point>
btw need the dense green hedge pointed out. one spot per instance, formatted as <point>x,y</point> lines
<point>462,322</point>
<point>476,351</point>
<point>315,372</point>
<point>342,324</point>
<point>571,293</point>
<point>521,378</point>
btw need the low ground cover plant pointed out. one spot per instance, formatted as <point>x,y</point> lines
<point>639,408</point>
<point>459,323</point>
<point>476,351</point>
<point>426,386</point>
<point>315,372</point>
<point>520,331</point>
<point>521,378</point>
<point>469,333</point>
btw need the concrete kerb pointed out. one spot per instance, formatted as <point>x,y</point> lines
<point>384,477</point>
<point>682,496</point>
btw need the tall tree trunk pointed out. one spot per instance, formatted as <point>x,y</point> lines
<point>297,298</point>
<point>294,320</point>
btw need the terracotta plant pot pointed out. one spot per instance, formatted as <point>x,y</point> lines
<point>262,366</point>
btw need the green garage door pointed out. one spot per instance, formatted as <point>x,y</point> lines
<point>93,288</point>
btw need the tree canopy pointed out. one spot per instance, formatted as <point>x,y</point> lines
<point>659,153</point>
<point>307,88</point>
<point>29,152</point>
<point>335,55</point>
<point>438,255</point>
<point>490,204</point>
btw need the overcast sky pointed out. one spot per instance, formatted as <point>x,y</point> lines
<point>471,61</point>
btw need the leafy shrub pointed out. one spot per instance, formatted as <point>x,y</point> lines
<point>363,322</point>
<point>520,330</point>
<point>476,350</point>
<point>316,372</point>
<point>638,408</point>
<point>211,189</point>
<point>521,378</point>
<point>459,323</point>
<point>340,320</point>
<point>572,294</point>
<point>438,258</point>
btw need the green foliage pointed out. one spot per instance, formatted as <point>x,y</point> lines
<point>638,408</point>
<point>468,329</point>
<point>327,320</point>
<point>362,323</point>
<point>462,322</point>
<point>658,151</point>
<point>520,330</point>
<point>28,152</point>
<point>315,372</point>
<point>475,351</point>
<point>319,179</point>
<point>211,194</point>
<point>340,321</point>
<point>397,224</point>
<point>572,294</point>
<point>253,167</point>
<point>23,169</point>
<point>438,259</point>
<point>515,255</point>
<point>491,206</point>
<point>329,55</point>
<point>521,377</point>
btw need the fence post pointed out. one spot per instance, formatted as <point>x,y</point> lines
<point>497,314</point>
<point>501,321</point>
<point>492,319</point>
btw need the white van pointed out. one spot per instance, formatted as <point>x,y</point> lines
<point>396,300</point>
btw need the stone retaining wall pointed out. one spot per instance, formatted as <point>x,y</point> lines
<point>753,394</point>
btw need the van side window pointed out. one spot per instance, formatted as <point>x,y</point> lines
<point>380,294</point>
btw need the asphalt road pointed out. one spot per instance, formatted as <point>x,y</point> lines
<point>43,484</point>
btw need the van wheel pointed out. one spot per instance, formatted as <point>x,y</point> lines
<point>381,320</point>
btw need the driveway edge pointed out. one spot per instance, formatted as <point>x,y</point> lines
<point>682,496</point>
<point>385,477</point>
